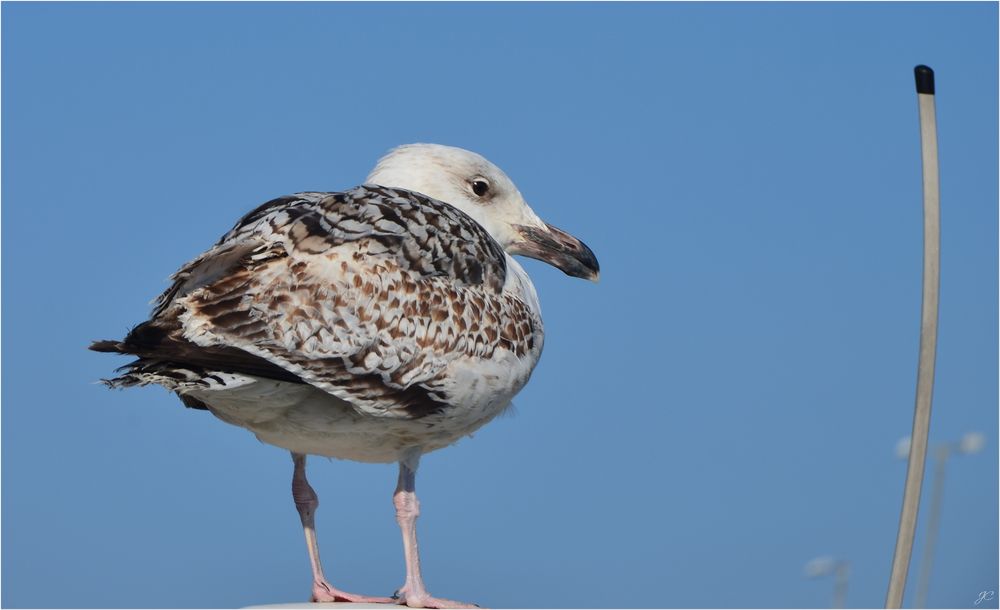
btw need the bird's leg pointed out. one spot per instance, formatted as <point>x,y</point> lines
<point>306,502</point>
<point>413,593</point>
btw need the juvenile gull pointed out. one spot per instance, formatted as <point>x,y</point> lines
<point>375,324</point>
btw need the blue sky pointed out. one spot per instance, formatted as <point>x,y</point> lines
<point>720,409</point>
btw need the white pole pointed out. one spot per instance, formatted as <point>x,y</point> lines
<point>928,339</point>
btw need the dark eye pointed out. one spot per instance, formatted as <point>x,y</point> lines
<point>480,187</point>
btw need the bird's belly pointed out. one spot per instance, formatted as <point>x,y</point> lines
<point>303,419</point>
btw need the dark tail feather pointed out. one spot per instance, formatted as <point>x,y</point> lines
<point>152,342</point>
<point>112,347</point>
<point>140,341</point>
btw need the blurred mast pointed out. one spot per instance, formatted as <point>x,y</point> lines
<point>823,566</point>
<point>941,455</point>
<point>971,442</point>
<point>840,585</point>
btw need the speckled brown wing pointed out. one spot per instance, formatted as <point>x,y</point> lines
<point>367,294</point>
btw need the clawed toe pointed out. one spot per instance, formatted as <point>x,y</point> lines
<point>325,592</point>
<point>436,602</point>
<point>423,600</point>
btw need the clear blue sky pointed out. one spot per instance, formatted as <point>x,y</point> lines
<point>720,409</point>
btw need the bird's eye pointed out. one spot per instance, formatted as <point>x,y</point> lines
<point>480,187</point>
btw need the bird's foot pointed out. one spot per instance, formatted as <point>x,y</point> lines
<point>325,592</point>
<point>421,599</point>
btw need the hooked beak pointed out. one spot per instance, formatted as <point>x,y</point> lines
<point>557,248</point>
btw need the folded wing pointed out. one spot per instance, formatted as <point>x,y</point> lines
<point>368,294</point>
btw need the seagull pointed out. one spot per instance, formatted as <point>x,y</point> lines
<point>375,324</point>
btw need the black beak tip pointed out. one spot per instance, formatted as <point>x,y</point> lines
<point>584,265</point>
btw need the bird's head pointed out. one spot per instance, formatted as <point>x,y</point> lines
<point>480,189</point>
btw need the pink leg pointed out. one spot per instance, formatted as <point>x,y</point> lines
<point>413,593</point>
<point>306,502</point>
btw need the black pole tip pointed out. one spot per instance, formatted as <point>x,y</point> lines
<point>925,79</point>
